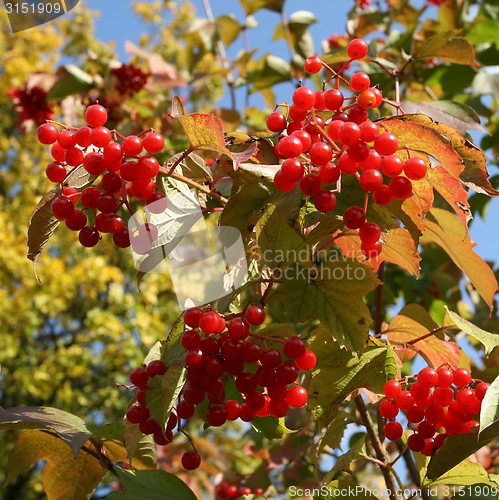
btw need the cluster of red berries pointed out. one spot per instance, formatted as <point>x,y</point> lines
<point>226,491</point>
<point>217,349</point>
<point>31,104</point>
<point>326,138</point>
<point>440,403</point>
<point>130,79</point>
<point>125,173</point>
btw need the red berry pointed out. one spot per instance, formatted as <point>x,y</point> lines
<point>392,165</point>
<point>416,442</point>
<point>101,136</point>
<point>282,183</point>
<point>368,131</point>
<point>55,172</point>
<point>371,250</point>
<point>388,409</point>
<point>392,389</point>
<point>400,188</point>
<point>276,122</point>
<point>185,410</point>
<point>354,217</point>
<point>294,347</point>
<point>132,145</point>
<point>386,144</point>
<point>122,239</point>
<point>369,233</point>
<point>153,142</point>
<point>367,99</point>
<point>304,98</point>
<point>76,221</point>
<point>357,49</point>
<point>47,133</point>
<point>137,414</point>
<point>325,201</point>
<point>191,460</point>
<point>349,133</point>
<point>445,377</point>
<point>320,153</point>
<point>480,390</point>
<point>66,139</point>
<point>255,315</point>
<point>297,396</point>
<point>307,360</point>
<point>139,377</point>
<point>360,82</point>
<point>290,146</point>
<point>192,316</point>
<point>415,414</point>
<point>428,377</point>
<point>333,99</point>
<point>415,169</point>
<point>404,400</point>
<point>370,180</point>
<point>239,329</point>
<point>232,408</point>
<point>62,207</point>
<point>310,185</point>
<point>156,367</point>
<point>83,137</point>
<point>329,174</point>
<point>382,196</point>
<point>312,65</point>
<point>74,156</point>
<point>393,431</point>
<point>216,416</point>
<point>462,377</point>
<point>96,115</point>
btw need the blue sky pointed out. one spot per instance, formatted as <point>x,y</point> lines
<point>118,24</point>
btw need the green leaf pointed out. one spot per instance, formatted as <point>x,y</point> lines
<point>70,428</point>
<point>73,81</point>
<point>457,448</point>
<point>334,433</point>
<point>162,392</point>
<point>445,229</point>
<point>204,131</point>
<point>138,446</point>
<point>340,372</point>
<point>271,427</point>
<point>489,413</point>
<point>151,484</point>
<point>110,437</point>
<point>42,226</point>
<point>332,292</point>
<point>486,30</point>
<point>228,28</point>
<point>447,47</point>
<point>489,340</point>
<point>344,462</point>
<point>454,114</point>
<point>272,70</point>
<point>63,475</point>
<point>244,206</point>
<point>278,241</point>
<point>465,473</point>
<point>192,166</point>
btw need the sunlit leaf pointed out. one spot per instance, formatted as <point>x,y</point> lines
<point>204,131</point>
<point>445,229</point>
<point>487,339</point>
<point>271,427</point>
<point>465,473</point>
<point>339,372</point>
<point>458,447</point>
<point>334,432</point>
<point>70,428</point>
<point>63,475</point>
<point>73,80</point>
<point>138,446</point>
<point>454,114</point>
<point>489,412</point>
<point>110,436</point>
<point>448,47</point>
<point>228,28</point>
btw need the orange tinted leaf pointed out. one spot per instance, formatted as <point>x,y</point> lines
<point>448,232</point>
<point>451,190</point>
<point>63,476</point>
<point>475,174</point>
<point>435,351</point>
<point>447,47</point>
<point>398,248</point>
<point>204,131</point>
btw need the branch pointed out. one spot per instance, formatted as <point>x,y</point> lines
<point>379,448</point>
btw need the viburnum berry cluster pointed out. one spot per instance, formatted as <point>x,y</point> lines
<point>227,491</point>
<point>265,377</point>
<point>440,403</point>
<point>31,104</point>
<point>121,167</point>
<point>327,135</point>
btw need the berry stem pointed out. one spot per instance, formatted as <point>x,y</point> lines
<point>180,159</point>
